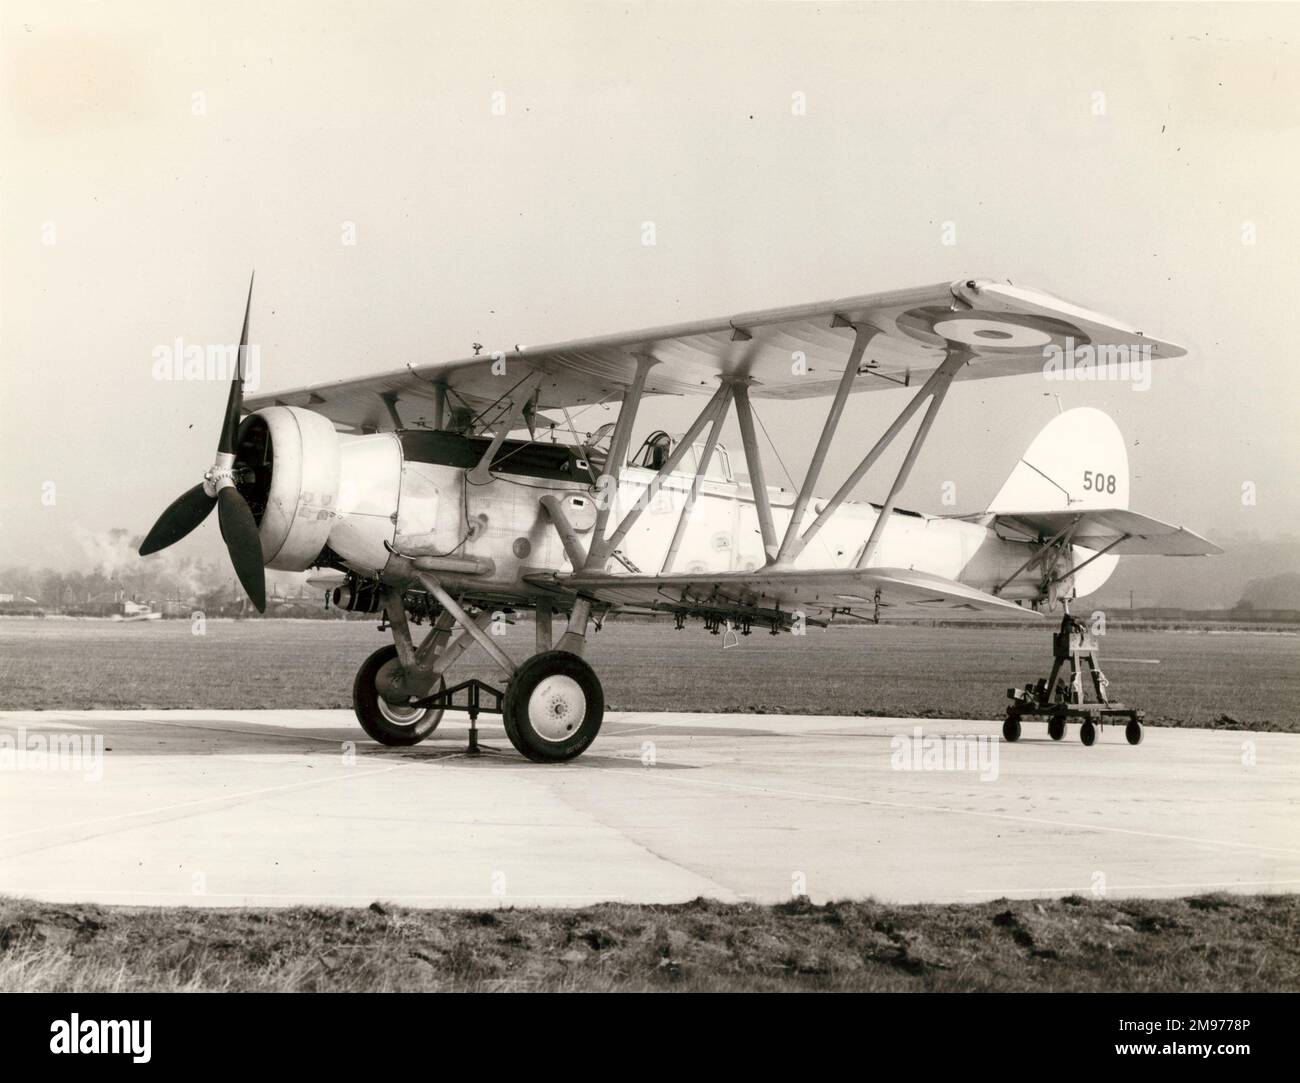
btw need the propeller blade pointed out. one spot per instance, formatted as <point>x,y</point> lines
<point>182,515</point>
<point>239,530</point>
<point>235,400</point>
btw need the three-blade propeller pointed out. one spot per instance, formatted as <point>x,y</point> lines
<point>238,527</point>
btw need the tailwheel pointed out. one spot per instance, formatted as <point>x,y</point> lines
<point>1088,732</point>
<point>1056,728</point>
<point>1133,732</point>
<point>553,707</point>
<point>389,723</point>
<point>1011,727</point>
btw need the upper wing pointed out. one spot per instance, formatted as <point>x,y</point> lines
<point>1123,531</point>
<point>797,352</point>
<point>768,594</point>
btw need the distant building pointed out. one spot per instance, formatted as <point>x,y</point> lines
<point>107,604</point>
<point>13,604</point>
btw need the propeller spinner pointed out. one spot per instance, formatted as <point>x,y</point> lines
<point>217,489</point>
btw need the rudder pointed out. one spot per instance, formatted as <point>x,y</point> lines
<point>1078,460</point>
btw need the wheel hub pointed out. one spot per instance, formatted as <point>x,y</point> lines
<point>556,708</point>
<point>388,683</point>
<point>399,716</point>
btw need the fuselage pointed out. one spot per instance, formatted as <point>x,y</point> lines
<point>412,492</point>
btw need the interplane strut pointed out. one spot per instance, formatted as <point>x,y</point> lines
<point>781,552</point>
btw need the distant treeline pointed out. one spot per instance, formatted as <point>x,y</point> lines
<point>119,575</point>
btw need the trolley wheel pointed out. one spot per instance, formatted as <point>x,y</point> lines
<point>1088,732</point>
<point>1056,728</point>
<point>553,707</point>
<point>385,722</point>
<point>1133,732</point>
<point>1011,728</point>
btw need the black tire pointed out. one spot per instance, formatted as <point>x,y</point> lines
<point>1056,728</point>
<point>1133,732</point>
<point>574,720</point>
<point>1088,732</point>
<point>382,721</point>
<point>1011,728</point>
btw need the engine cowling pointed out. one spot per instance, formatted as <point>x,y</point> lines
<point>309,486</point>
<point>288,463</point>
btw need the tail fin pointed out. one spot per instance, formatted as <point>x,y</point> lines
<point>1078,461</point>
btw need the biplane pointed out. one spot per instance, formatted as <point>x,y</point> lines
<point>453,493</point>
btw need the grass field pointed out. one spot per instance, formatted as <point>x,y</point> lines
<point>1208,943</point>
<point>1241,679</point>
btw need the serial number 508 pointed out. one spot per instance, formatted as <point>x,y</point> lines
<point>1098,482</point>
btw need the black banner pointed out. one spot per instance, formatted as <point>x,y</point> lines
<point>150,1032</point>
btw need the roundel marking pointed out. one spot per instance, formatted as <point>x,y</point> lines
<point>988,332</point>
<point>992,333</point>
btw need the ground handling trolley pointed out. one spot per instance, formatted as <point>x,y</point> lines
<point>1059,701</point>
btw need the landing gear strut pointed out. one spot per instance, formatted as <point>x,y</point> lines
<point>552,705</point>
<point>1059,701</point>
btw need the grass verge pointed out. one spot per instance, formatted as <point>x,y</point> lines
<point>1210,943</point>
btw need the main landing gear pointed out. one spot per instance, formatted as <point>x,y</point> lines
<point>552,705</point>
<point>1060,701</point>
<point>394,724</point>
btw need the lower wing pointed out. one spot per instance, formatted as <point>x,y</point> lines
<point>776,594</point>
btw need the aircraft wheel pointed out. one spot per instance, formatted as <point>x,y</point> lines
<point>1133,731</point>
<point>1088,732</point>
<point>1011,728</point>
<point>386,722</point>
<point>1056,728</point>
<point>553,707</point>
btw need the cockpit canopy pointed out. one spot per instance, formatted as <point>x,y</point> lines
<point>659,445</point>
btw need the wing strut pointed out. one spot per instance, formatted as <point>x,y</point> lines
<point>439,405</point>
<point>754,466</point>
<point>700,468</point>
<point>935,386</point>
<point>791,543</point>
<point>573,548</point>
<point>918,441</point>
<point>601,547</point>
<point>574,638</point>
<point>481,474</point>
<point>715,407</point>
<point>714,413</point>
<point>617,458</point>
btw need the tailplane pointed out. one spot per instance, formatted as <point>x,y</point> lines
<point>1072,484</point>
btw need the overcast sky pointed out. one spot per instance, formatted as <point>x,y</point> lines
<point>498,162</point>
